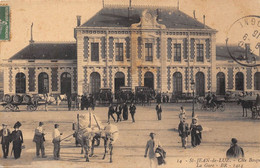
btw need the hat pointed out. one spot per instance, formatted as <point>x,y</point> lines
<point>17,124</point>
<point>40,123</point>
<point>195,117</point>
<point>56,125</point>
<point>152,133</point>
<point>234,140</point>
<point>4,124</point>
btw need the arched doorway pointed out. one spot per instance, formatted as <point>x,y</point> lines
<point>95,83</point>
<point>43,83</point>
<point>20,83</point>
<point>149,80</point>
<point>119,80</point>
<point>239,81</point>
<point>200,84</point>
<point>65,83</point>
<point>257,81</point>
<point>177,83</point>
<point>221,88</point>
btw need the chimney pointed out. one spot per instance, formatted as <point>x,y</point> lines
<point>31,41</point>
<point>159,14</point>
<point>204,19</point>
<point>194,14</point>
<point>78,21</point>
<point>247,49</point>
<point>130,10</point>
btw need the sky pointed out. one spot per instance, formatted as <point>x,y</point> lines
<point>55,20</point>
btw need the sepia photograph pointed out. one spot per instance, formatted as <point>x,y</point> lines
<point>130,83</point>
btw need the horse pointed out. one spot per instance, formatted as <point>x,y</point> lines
<point>89,132</point>
<point>246,104</point>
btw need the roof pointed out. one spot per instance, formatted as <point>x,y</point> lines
<point>236,51</point>
<point>61,51</point>
<point>118,17</point>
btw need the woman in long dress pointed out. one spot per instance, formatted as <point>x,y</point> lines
<point>195,132</point>
<point>17,138</point>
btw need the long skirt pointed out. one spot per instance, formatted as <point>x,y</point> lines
<point>17,148</point>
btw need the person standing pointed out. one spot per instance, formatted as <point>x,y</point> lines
<point>150,148</point>
<point>159,111</point>
<point>125,111</point>
<point>183,130</point>
<point>56,135</point>
<point>195,132</point>
<point>110,113</point>
<point>235,151</point>
<point>17,138</point>
<point>118,112</point>
<point>182,113</point>
<point>257,102</point>
<point>132,110</point>
<point>5,140</point>
<point>39,140</point>
<point>69,99</point>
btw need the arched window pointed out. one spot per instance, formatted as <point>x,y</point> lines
<point>119,80</point>
<point>257,80</point>
<point>43,83</point>
<point>149,80</point>
<point>20,83</point>
<point>200,84</point>
<point>221,89</point>
<point>95,82</point>
<point>65,83</point>
<point>177,83</point>
<point>239,81</point>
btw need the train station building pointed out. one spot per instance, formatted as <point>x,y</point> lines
<point>161,48</point>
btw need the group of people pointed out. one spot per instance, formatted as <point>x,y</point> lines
<point>16,136</point>
<point>39,138</point>
<point>121,110</point>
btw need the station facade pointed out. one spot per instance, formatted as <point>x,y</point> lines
<point>163,49</point>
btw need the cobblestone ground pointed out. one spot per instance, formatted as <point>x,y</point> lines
<point>219,128</point>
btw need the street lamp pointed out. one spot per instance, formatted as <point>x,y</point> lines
<point>192,88</point>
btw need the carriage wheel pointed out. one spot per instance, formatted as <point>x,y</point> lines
<point>214,108</point>
<point>31,107</point>
<point>222,107</point>
<point>7,108</point>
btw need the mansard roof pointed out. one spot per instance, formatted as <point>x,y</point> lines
<point>116,16</point>
<point>59,51</point>
<point>222,53</point>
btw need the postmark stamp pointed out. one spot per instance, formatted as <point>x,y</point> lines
<point>4,23</point>
<point>243,40</point>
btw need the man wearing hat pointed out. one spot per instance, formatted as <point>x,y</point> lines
<point>56,142</point>
<point>235,151</point>
<point>5,140</point>
<point>151,146</point>
<point>39,140</point>
<point>184,131</point>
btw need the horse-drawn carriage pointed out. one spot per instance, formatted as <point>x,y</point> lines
<point>144,94</point>
<point>124,94</point>
<point>249,102</point>
<point>219,103</point>
<point>105,95</point>
<point>89,132</point>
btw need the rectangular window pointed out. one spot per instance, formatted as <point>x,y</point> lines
<point>119,52</point>
<point>177,52</point>
<point>200,53</point>
<point>94,52</point>
<point>148,52</point>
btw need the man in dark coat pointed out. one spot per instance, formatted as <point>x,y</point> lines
<point>132,110</point>
<point>118,111</point>
<point>125,112</point>
<point>183,132</point>
<point>257,102</point>
<point>39,140</point>
<point>69,99</point>
<point>83,102</point>
<point>5,140</point>
<point>235,151</point>
<point>110,113</point>
<point>159,111</point>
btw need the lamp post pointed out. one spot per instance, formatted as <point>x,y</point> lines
<point>192,88</point>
